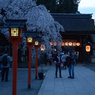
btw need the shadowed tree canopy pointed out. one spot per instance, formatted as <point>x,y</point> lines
<point>60,6</point>
<point>38,19</point>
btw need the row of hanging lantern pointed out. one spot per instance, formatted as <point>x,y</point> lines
<point>71,43</point>
<point>66,43</point>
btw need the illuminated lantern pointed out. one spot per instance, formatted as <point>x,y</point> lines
<point>88,48</point>
<point>36,43</point>
<point>42,47</point>
<point>78,44</point>
<point>30,43</point>
<point>66,43</point>
<point>74,43</point>
<point>29,39</point>
<point>14,31</point>
<point>70,43</point>
<point>51,43</point>
<point>15,35</point>
<point>62,43</point>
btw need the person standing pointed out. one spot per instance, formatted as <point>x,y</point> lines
<point>71,61</point>
<point>5,66</point>
<point>58,65</point>
<point>63,59</point>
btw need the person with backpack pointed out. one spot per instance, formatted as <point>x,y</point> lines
<point>5,66</point>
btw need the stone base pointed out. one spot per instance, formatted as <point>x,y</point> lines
<point>40,75</point>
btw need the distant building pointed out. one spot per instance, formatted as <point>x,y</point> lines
<point>79,29</point>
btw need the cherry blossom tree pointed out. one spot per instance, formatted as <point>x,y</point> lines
<point>38,18</point>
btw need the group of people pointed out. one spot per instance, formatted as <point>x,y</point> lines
<point>68,60</point>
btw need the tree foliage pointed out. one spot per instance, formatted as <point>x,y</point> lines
<point>60,6</point>
<point>38,18</point>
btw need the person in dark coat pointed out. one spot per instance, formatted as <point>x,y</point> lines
<point>58,65</point>
<point>71,64</point>
<point>5,68</point>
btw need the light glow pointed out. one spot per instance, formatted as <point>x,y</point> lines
<point>29,39</point>
<point>78,44</point>
<point>62,43</point>
<point>36,43</point>
<point>51,43</point>
<point>14,31</point>
<point>88,48</point>
<point>70,43</point>
<point>74,43</point>
<point>42,47</point>
<point>66,43</point>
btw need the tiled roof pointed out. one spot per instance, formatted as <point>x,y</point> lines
<point>75,22</point>
<point>14,23</point>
